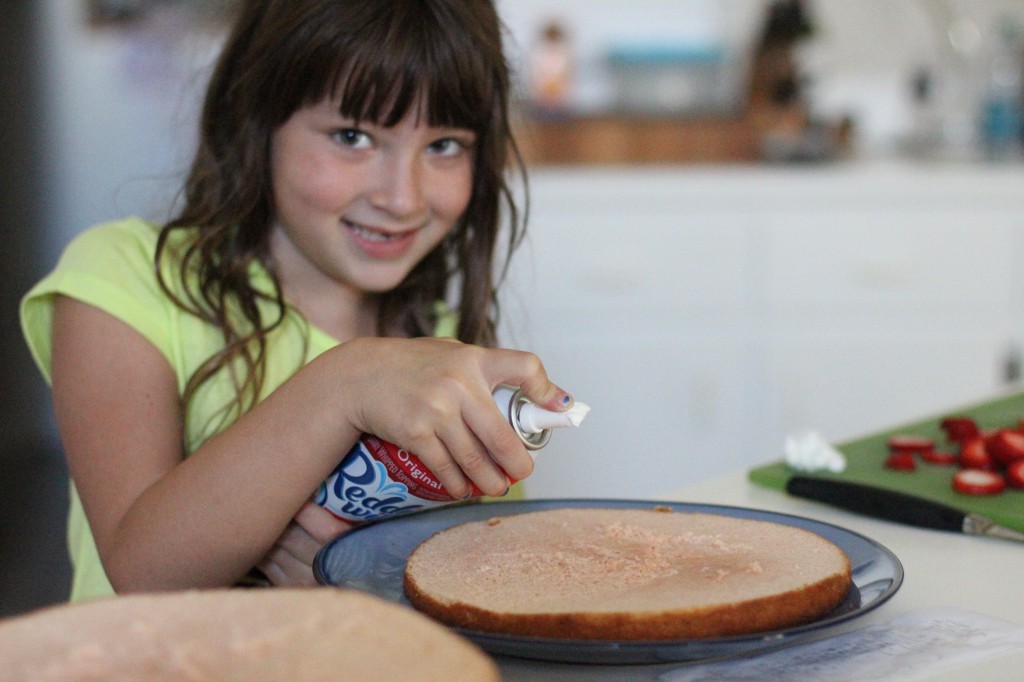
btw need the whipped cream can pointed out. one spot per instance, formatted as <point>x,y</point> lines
<point>378,479</point>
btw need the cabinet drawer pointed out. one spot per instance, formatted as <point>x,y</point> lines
<point>649,264</point>
<point>863,259</point>
<point>849,383</point>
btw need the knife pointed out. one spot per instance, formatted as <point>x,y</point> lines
<point>890,505</point>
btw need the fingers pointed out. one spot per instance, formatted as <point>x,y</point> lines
<point>299,544</point>
<point>481,447</point>
<point>526,371</point>
<point>319,524</point>
<point>462,464</point>
<point>283,569</point>
<point>500,443</point>
<point>290,560</point>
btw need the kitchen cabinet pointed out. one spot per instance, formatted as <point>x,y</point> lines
<point>894,310</point>
<point>637,139</point>
<point>706,312</point>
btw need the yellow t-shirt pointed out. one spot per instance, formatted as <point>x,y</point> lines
<point>110,266</point>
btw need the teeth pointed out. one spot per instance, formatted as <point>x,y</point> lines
<point>373,235</point>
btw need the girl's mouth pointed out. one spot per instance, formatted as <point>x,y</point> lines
<point>372,235</point>
<point>381,244</point>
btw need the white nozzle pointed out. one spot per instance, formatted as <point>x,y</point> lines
<point>534,419</point>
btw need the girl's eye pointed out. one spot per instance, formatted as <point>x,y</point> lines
<point>449,146</point>
<point>352,137</point>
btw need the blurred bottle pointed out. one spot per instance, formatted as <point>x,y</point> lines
<point>925,138</point>
<point>1002,112</point>
<point>551,69</point>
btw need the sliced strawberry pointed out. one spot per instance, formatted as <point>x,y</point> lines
<point>974,455</point>
<point>1015,474</point>
<point>978,482</point>
<point>901,461</point>
<point>1006,446</point>
<point>940,457</point>
<point>907,443</point>
<point>959,428</point>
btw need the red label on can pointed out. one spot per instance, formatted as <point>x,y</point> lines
<point>405,467</point>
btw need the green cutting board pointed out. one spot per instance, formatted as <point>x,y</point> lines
<point>866,456</point>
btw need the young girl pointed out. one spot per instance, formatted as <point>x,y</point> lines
<point>208,374</point>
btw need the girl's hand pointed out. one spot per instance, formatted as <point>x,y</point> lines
<point>290,561</point>
<point>433,398</point>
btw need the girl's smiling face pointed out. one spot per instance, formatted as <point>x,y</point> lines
<point>359,205</point>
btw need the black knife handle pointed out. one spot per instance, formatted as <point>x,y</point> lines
<point>878,502</point>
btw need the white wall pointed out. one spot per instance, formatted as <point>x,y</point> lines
<point>120,115</point>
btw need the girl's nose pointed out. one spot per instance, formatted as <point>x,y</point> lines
<point>399,187</point>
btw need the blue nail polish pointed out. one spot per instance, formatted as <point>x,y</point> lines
<point>566,400</point>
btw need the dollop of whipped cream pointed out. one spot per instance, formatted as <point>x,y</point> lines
<point>534,419</point>
<point>807,450</point>
<point>576,413</point>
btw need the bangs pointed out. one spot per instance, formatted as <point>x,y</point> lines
<point>403,55</point>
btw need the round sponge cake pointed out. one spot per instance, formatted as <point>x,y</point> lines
<point>626,574</point>
<point>271,635</point>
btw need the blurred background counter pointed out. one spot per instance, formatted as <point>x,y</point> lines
<point>650,139</point>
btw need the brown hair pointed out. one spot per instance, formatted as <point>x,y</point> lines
<point>382,57</point>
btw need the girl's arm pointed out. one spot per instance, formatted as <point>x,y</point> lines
<point>162,521</point>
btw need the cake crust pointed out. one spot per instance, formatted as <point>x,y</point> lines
<point>626,574</point>
<point>271,635</point>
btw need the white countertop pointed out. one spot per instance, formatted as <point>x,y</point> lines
<point>979,575</point>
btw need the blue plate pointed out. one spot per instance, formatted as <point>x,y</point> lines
<point>372,559</point>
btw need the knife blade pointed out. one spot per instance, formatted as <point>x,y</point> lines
<point>891,505</point>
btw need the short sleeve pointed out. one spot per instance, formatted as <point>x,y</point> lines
<point>111,267</point>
